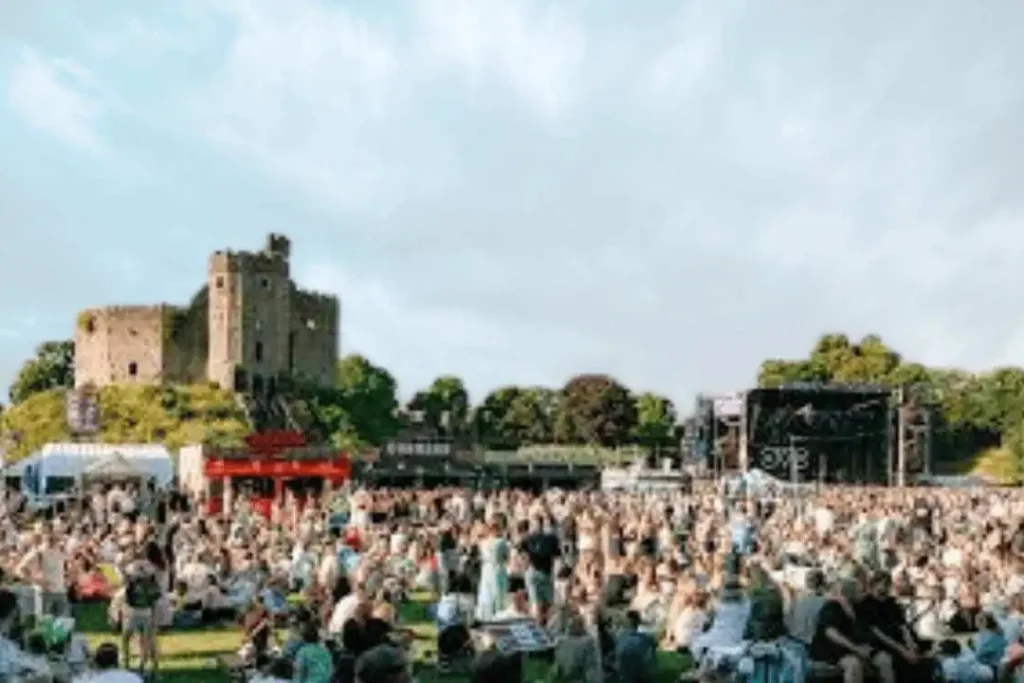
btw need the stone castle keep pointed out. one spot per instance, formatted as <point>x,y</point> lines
<point>247,329</point>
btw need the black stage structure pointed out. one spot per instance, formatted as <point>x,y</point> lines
<point>806,432</point>
<point>825,433</point>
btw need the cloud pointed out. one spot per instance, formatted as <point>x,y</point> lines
<point>671,192</point>
<point>645,189</point>
<point>536,48</point>
<point>52,96</point>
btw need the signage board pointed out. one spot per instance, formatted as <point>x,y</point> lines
<point>83,411</point>
<point>414,447</point>
<point>729,405</point>
<point>274,443</point>
<point>340,468</point>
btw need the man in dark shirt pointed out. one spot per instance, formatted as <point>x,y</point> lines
<point>887,629</point>
<point>364,631</point>
<point>635,653</point>
<point>447,557</point>
<point>541,549</point>
<point>840,639</point>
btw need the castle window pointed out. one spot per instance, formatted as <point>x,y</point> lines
<point>133,332</point>
<point>133,369</point>
<point>259,352</point>
<point>265,282</point>
<point>220,282</point>
<point>90,325</point>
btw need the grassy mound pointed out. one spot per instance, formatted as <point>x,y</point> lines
<point>172,415</point>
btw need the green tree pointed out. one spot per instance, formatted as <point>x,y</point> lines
<point>656,421</point>
<point>972,412</point>
<point>52,367</point>
<point>776,372</point>
<point>513,417</point>
<point>595,409</point>
<point>444,405</point>
<point>368,394</point>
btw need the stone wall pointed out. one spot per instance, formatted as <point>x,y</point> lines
<point>315,321</point>
<point>120,345</point>
<point>187,340</point>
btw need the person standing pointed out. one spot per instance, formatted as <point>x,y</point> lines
<point>542,549</point>
<point>48,563</point>
<point>493,588</point>
<point>142,595</point>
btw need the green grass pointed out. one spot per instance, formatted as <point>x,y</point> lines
<point>191,656</point>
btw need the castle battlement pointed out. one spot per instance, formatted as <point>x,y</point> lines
<point>249,326</point>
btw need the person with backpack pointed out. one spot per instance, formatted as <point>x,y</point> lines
<point>141,595</point>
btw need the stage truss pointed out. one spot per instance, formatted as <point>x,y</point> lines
<point>835,432</point>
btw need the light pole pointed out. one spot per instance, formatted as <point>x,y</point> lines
<point>901,441</point>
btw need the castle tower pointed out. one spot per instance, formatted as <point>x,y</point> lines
<point>249,316</point>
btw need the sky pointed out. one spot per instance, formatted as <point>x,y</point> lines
<point>515,191</point>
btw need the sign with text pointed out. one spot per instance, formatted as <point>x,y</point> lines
<point>417,447</point>
<point>337,469</point>
<point>274,443</point>
<point>83,411</point>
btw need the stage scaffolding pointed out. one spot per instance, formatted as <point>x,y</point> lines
<point>843,433</point>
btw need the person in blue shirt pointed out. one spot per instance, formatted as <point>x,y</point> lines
<point>990,643</point>
<point>635,653</point>
<point>742,532</point>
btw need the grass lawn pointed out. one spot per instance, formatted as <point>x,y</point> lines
<point>190,657</point>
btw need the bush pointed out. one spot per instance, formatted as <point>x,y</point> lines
<point>169,414</point>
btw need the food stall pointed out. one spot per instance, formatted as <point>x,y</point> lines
<point>263,470</point>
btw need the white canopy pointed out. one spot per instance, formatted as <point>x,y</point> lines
<point>114,466</point>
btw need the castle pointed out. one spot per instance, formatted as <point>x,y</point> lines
<point>248,329</point>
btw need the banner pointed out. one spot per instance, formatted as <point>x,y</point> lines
<point>729,405</point>
<point>340,468</point>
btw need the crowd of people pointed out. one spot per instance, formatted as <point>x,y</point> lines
<point>838,583</point>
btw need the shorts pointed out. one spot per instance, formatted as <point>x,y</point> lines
<point>540,588</point>
<point>137,621</point>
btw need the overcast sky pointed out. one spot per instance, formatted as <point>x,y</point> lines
<point>517,191</point>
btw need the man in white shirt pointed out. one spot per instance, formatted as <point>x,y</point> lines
<point>46,562</point>
<point>344,610</point>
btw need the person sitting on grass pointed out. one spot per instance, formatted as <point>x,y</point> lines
<point>258,629</point>
<point>313,662</point>
<point>990,643</point>
<point>452,616</point>
<point>106,668</point>
<point>577,657</point>
<point>387,664</point>
<point>186,608</point>
<point>278,671</point>
<point>635,653</point>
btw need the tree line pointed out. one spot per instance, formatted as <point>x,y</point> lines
<point>364,408</point>
<point>593,409</point>
<point>972,411</point>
